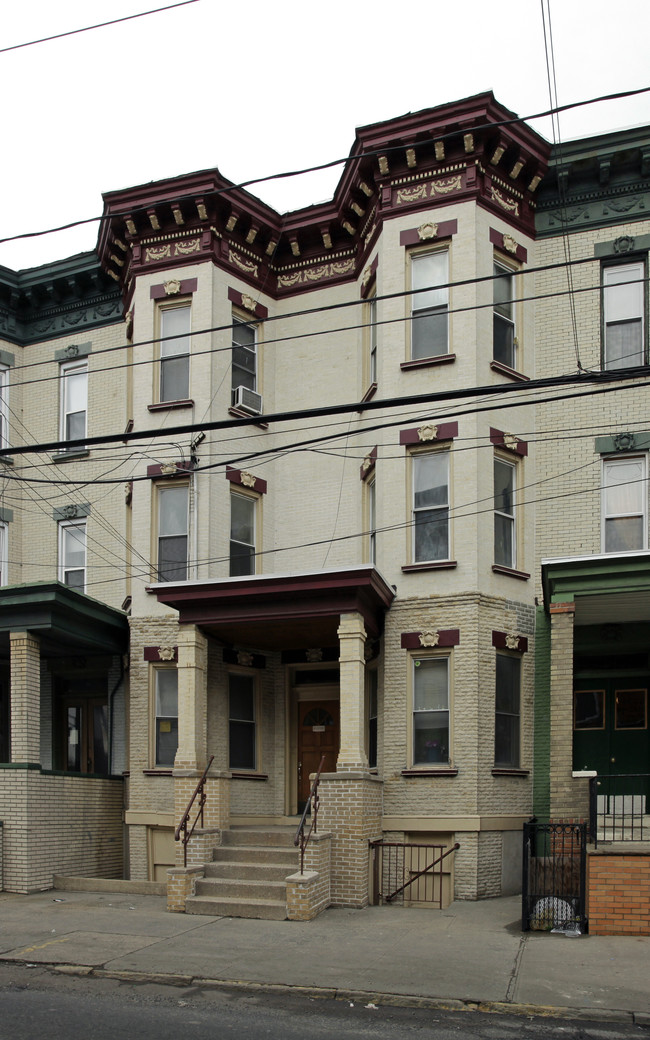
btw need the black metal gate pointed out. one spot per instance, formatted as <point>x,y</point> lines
<point>554,877</point>
<point>409,874</point>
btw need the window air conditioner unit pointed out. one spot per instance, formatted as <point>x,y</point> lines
<point>247,400</point>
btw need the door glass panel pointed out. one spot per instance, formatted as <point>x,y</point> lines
<point>73,739</point>
<point>631,709</point>
<point>100,739</point>
<point>589,709</point>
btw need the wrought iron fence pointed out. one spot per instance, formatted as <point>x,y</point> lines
<point>409,874</point>
<point>554,877</point>
<point>619,807</point>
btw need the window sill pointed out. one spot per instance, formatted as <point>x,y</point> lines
<point>430,771</point>
<point>238,413</point>
<point>249,776</point>
<point>439,359</point>
<point>164,406</point>
<point>511,373</point>
<point>510,572</point>
<point>70,456</point>
<point>157,772</point>
<point>432,565</point>
<point>370,393</point>
<point>7,460</point>
<point>510,771</point>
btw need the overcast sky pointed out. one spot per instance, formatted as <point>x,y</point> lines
<point>258,87</point>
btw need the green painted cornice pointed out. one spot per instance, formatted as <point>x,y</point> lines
<point>65,298</point>
<point>565,579</point>
<point>63,618</point>
<point>596,182</point>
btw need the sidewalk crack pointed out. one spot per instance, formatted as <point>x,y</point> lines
<point>514,974</point>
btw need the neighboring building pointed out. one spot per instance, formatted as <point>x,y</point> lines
<point>359,586</point>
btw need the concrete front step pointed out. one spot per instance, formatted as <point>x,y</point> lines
<point>248,871</point>
<point>260,910</point>
<point>266,836</point>
<point>234,888</point>
<point>257,854</point>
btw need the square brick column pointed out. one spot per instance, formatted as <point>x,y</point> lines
<point>350,810</point>
<point>352,640</point>
<point>25,651</point>
<point>192,700</point>
<point>569,795</point>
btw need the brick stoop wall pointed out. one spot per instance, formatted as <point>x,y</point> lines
<point>618,893</point>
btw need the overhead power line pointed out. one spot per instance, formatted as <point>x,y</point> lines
<point>334,162</point>
<point>99,25</point>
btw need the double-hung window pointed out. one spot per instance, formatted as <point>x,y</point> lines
<point>430,306</point>
<point>505,535</point>
<point>4,406</point>
<point>4,538</point>
<point>242,722</point>
<point>244,356</point>
<point>72,554</point>
<point>372,519</point>
<point>507,718</point>
<point>175,326</point>
<point>624,504</point>
<point>173,532</point>
<point>430,710</point>
<point>243,521</point>
<point>166,696</point>
<point>372,338</point>
<point>504,339</point>
<point>74,401</point>
<point>431,507</point>
<point>623,315</point>
<point>372,717</point>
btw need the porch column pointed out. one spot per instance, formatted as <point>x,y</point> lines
<point>192,700</point>
<point>25,685</point>
<point>569,797</point>
<point>352,642</point>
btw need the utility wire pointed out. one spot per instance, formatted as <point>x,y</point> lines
<point>334,162</point>
<point>99,25</point>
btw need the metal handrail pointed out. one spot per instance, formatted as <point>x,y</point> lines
<point>615,786</point>
<point>312,802</point>
<point>182,827</point>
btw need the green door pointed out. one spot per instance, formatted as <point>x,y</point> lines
<point>610,726</point>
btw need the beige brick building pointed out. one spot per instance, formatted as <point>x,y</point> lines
<point>313,518</point>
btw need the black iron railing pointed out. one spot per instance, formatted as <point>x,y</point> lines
<point>553,885</point>
<point>619,807</point>
<point>311,809</point>
<point>184,827</point>
<point>408,872</point>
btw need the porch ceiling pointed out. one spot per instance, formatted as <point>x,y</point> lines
<point>281,611</point>
<point>613,587</point>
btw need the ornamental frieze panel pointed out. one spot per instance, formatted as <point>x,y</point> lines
<point>322,273</point>
<point>431,190</point>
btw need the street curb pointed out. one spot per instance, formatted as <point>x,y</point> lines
<point>365,997</point>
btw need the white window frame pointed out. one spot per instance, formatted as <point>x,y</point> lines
<point>417,460</point>
<point>174,348</point>
<point>504,312</point>
<point>439,753</point>
<point>4,554</point>
<point>608,465</point>
<point>165,532</point>
<point>505,516</point>
<point>434,301</point>
<point>4,406</point>
<point>69,370</point>
<point>66,526</point>
<point>254,501</point>
<point>247,376</point>
<point>159,717</point>
<point>616,312</point>
<point>371,502</point>
<point>500,712</point>
<point>253,723</point>
<point>372,337</point>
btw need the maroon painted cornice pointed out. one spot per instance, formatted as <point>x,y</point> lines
<point>443,432</point>
<point>508,442</point>
<point>506,641</point>
<point>247,480</point>
<point>474,149</point>
<point>445,637</point>
<point>263,598</point>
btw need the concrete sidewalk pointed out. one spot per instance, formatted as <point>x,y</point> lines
<point>473,954</point>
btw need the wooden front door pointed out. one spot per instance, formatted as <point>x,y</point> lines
<point>318,736</point>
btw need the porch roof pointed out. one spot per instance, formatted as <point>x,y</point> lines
<point>65,620</point>
<point>610,587</point>
<point>274,611</point>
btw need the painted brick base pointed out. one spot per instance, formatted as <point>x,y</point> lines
<point>618,893</point>
<point>310,893</point>
<point>180,885</point>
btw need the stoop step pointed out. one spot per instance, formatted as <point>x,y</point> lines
<point>262,910</point>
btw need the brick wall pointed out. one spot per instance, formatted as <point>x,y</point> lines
<point>618,894</point>
<point>56,823</point>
